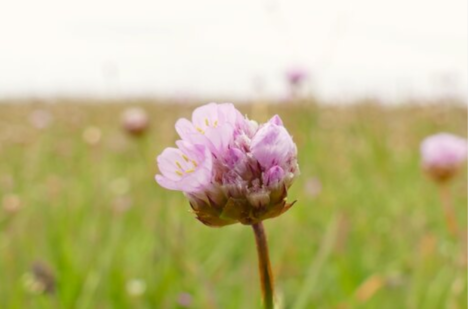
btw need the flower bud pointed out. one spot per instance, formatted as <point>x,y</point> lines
<point>135,121</point>
<point>40,119</point>
<point>442,155</point>
<point>273,176</point>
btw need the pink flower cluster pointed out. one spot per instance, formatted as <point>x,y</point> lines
<point>231,169</point>
<point>443,154</point>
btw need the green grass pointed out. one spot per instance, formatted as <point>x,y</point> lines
<point>374,237</point>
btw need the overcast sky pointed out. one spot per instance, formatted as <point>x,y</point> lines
<point>352,48</point>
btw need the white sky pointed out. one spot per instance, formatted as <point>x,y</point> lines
<point>392,49</point>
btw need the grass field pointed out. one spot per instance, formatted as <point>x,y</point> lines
<point>81,211</point>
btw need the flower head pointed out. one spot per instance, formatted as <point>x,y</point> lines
<point>443,154</point>
<point>40,118</point>
<point>230,168</point>
<point>135,121</point>
<point>296,75</point>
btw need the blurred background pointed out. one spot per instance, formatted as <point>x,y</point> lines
<point>234,49</point>
<point>89,95</point>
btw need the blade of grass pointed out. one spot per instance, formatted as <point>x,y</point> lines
<point>317,264</point>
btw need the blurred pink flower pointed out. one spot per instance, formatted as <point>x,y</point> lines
<point>40,118</point>
<point>92,135</point>
<point>135,120</point>
<point>313,187</point>
<point>231,169</point>
<point>185,300</point>
<point>296,75</point>
<point>11,203</point>
<point>443,154</point>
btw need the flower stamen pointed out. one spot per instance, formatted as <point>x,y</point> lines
<point>180,169</point>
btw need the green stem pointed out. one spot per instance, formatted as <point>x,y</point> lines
<point>264,267</point>
<point>450,216</point>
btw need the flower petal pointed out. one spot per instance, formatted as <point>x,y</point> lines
<point>272,145</point>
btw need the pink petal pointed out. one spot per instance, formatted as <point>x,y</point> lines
<point>185,128</point>
<point>276,120</point>
<point>166,183</point>
<point>166,163</point>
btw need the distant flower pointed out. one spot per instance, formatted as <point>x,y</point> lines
<point>92,135</point>
<point>184,300</point>
<point>135,120</point>
<point>443,154</point>
<point>136,287</point>
<point>11,203</point>
<point>40,118</point>
<point>313,187</point>
<point>230,168</point>
<point>296,75</point>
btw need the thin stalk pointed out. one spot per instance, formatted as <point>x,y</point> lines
<point>449,212</point>
<point>264,267</point>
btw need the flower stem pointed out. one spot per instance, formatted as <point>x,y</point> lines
<point>450,216</point>
<point>264,267</point>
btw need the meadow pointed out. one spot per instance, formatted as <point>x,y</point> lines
<point>83,224</point>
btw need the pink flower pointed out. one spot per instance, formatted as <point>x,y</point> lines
<point>187,168</point>
<point>296,75</point>
<point>312,187</point>
<point>443,154</point>
<point>230,168</point>
<point>135,120</point>
<point>40,119</point>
